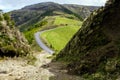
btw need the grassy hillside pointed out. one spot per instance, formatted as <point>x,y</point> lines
<point>30,37</point>
<point>47,23</point>
<point>57,38</point>
<point>94,51</point>
<point>30,15</point>
<point>65,21</point>
<point>33,18</point>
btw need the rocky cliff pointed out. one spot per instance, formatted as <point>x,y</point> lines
<point>95,48</point>
<point>12,42</point>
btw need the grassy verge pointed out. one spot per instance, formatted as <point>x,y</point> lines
<point>30,37</point>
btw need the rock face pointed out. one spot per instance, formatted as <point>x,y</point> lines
<point>95,48</point>
<point>12,42</point>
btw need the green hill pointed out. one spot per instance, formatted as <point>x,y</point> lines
<point>51,22</point>
<point>30,15</point>
<point>58,37</point>
<point>47,15</point>
<point>65,21</point>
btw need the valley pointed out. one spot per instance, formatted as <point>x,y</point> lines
<point>52,41</point>
<point>57,27</point>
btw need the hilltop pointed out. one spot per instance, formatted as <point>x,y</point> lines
<point>29,15</point>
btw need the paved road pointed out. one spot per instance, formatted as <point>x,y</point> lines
<point>41,44</point>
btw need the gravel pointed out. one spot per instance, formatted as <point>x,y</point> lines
<point>18,69</point>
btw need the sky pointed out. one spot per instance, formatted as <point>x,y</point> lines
<point>8,5</point>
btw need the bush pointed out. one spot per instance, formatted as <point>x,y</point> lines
<point>1,18</point>
<point>40,24</point>
<point>6,17</point>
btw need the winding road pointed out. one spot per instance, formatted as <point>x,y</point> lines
<point>41,44</point>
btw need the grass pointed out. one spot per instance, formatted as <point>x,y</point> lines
<point>66,21</point>
<point>30,37</point>
<point>59,37</point>
<point>63,24</point>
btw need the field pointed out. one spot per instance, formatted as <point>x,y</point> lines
<point>64,29</point>
<point>59,37</point>
<point>66,21</point>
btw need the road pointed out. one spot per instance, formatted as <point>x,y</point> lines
<point>41,44</point>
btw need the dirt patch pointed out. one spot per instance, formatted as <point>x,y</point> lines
<point>60,72</point>
<point>43,69</point>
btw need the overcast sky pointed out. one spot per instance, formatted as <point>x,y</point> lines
<point>8,5</point>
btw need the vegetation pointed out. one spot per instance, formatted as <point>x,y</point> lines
<point>66,21</point>
<point>12,42</point>
<point>24,20</point>
<point>50,22</point>
<point>30,37</point>
<point>94,52</point>
<point>1,17</point>
<point>57,38</point>
<point>43,19</point>
<point>6,17</point>
<point>29,34</point>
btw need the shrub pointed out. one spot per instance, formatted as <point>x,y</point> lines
<point>1,18</point>
<point>6,17</point>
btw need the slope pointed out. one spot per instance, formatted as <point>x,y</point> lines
<point>12,42</point>
<point>29,15</point>
<point>94,51</point>
<point>52,22</point>
<point>81,10</point>
<point>58,37</point>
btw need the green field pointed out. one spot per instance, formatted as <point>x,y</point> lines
<point>66,21</point>
<point>59,37</point>
<point>65,28</point>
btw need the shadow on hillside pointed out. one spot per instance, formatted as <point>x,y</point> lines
<point>60,72</point>
<point>10,53</point>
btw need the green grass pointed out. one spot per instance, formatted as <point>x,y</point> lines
<point>59,37</point>
<point>46,23</point>
<point>30,37</point>
<point>53,22</point>
<point>66,21</point>
<point>30,34</point>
